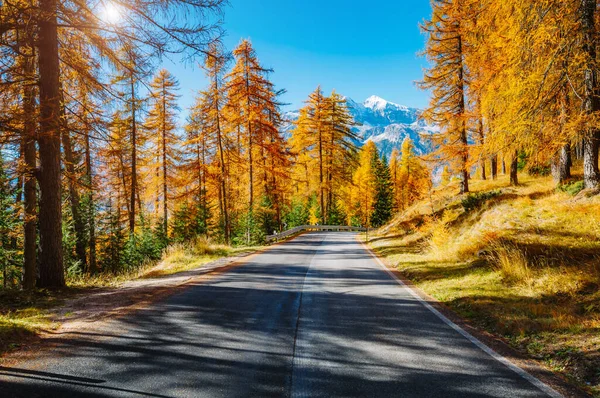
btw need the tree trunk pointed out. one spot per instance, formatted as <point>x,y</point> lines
<point>591,175</point>
<point>561,168</point>
<point>481,133</point>
<point>164,164</point>
<point>494,166</point>
<point>93,266</point>
<point>464,186</point>
<point>483,170</point>
<point>503,165</point>
<point>514,164</point>
<point>321,187</point>
<point>250,145</point>
<point>225,210</point>
<point>330,167</point>
<point>50,216</point>
<point>30,190</point>
<point>133,188</point>
<point>74,197</point>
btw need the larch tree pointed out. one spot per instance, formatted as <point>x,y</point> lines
<point>591,102</point>
<point>167,34</point>
<point>340,150</point>
<point>310,131</point>
<point>447,80</point>
<point>161,124</point>
<point>413,177</point>
<point>253,112</point>
<point>214,101</point>
<point>198,163</point>
<point>364,187</point>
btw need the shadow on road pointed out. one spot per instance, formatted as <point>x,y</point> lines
<point>236,336</point>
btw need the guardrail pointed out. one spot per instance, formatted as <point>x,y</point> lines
<point>304,228</point>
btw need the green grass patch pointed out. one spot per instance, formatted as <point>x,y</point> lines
<point>477,199</point>
<point>572,188</point>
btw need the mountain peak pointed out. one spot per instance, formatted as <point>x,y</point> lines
<point>375,102</point>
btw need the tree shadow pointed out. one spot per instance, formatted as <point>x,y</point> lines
<point>285,324</point>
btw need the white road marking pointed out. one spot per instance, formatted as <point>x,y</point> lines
<point>524,374</point>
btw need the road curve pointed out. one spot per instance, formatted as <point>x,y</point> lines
<point>313,317</point>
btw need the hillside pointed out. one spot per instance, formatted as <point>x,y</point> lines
<point>385,123</point>
<point>520,262</point>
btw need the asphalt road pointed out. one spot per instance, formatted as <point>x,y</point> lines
<point>314,317</point>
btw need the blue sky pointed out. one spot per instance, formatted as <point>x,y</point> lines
<point>358,48</point>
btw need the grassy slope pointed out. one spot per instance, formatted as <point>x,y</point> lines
<point>524,265</point>
<point>23,315</point>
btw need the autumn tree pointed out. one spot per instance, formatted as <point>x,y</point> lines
<point>213,103</point>
<point>253,113</point>
<point>447,80</point>
<point>161,124</point>
<point>413,177</point>
<point>364,188</point>
<point>197,167</point>
<point>325,146</point>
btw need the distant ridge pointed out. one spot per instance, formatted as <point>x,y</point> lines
<point>385,123</point>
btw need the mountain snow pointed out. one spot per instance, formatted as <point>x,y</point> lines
<point>385,123</point>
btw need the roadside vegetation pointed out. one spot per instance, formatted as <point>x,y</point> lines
<point>24,314</point>
<point>522,262</point>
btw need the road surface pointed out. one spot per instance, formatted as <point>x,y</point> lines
<point>313,317</point>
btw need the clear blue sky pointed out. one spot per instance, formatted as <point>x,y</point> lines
<point>358,48</point>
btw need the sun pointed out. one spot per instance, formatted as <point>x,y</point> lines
<point>111,13</point>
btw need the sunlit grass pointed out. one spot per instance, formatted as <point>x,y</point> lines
<point>184,257</point>
<point>23,315</point>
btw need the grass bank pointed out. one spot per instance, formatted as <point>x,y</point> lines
<point>520,262</point>
<point>24,315</point>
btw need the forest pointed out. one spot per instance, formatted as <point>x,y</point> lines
<point>98,174</point>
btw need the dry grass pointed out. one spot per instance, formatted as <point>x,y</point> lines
<point>512,264</point>
<point>185,257</point>
<point>524,264</point>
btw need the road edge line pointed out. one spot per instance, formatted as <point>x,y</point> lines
<point>545,388</point>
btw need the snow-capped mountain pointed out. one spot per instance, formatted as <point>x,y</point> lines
<point>385,123</point>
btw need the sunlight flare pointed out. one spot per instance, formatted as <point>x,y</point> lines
<point>111,13</point>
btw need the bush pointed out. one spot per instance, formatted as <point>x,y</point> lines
<point>572,188</point>
<point>475,200</point>
<point>539,170</point>
<point>140,249</point>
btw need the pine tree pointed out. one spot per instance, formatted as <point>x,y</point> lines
<point>382,208</point>
<point>9,225</point>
